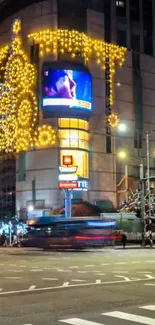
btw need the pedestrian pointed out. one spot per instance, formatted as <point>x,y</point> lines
<point>151,240</point>
<point>124,239</point>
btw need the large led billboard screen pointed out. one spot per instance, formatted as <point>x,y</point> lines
<point>66,92</point>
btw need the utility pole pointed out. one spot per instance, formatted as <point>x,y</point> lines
<point>143,223</point>
<point>148,171</point>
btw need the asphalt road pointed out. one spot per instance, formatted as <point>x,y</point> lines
<point>107,287</point>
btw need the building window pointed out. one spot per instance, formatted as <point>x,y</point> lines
<point>148,27</point>
<point>134,10</point>
<point>80,159</point>
<point>72,14</point>
<point>120,4</point>
<point>121,38</point>
<point>73,123</point>
<point>74,139</point>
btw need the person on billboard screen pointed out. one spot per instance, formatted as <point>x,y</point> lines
<point>61,85</point>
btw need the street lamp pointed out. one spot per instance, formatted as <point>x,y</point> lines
<point>122,154</point>
<point>30,208</point>
<point>122,127</point>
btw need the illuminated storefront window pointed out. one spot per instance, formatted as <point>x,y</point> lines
<point>74,139</point>
<point>73,123</point>
<point>80,159</point>
<point>73,133</point>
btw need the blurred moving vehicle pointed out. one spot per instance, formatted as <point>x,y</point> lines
<point>76,233</point>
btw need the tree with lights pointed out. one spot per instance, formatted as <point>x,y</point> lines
<point>19,129</point>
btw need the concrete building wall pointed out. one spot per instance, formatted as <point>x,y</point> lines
<point>42,166</point>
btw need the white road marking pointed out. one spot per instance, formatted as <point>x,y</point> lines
<point>150,307</point>
<point>124,277</point>
<point>78,280</point>
<point>65,284</point>
<point>61,270</point>
<point>32,288</point>
<point>136,262</point>
<point>120,271</point>
<point>120,263</point>
<point>100,273</point>
<point>82,271</point>
<point>149,284</point>
<point>145,272</point>
<point>1,264</point>
<point>89,265</point>
<point>49,279</point>
<point>36,270</point>
<point>74,267</point>
<point>13,277</point>
<point>91,284</point>
<point>23,266</point>
<point>15,271</point>
<point>79,321</point>
<point>104,264</point>
<point>131,317</point>
<point>150,261</point>
<point>98,281</point>
<point>149,276</point>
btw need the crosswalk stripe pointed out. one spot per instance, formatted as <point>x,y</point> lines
<point>131,317</point>
<point>150,307</point>
<point>79,321</point>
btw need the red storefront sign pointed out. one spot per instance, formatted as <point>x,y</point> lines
<point>68,185</point>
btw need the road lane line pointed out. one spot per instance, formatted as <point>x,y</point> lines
<point>120,271</point>
<point>73,267</point>
<point>121,263</point>
<point>79,321</point>
<point>104,264</point>
<point>149,276</point>
<point>49,279</point>
<point>131,317</point>
<point>98,281</point>
<point>145,272</point>
<point>32,288</point>
<point>91,265</point>
<point>136,262</point>
<point>13,277</point>
<point>65,284</point>
<point>36,270</point>
<point>91,284</point>
<point>149,284</point>
<point>150,307</point>
<point>78,280</point>
<point>123,277</point>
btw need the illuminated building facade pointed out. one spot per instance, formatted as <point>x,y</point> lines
<point>128,94</point>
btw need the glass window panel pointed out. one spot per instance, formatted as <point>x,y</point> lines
<point>82,124</point>
<point>63,122</point>
<point>80,159</point>
<point>74,139</point>
<point>74,123</point>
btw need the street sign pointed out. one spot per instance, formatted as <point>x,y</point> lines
<point>68,177</point>
<point>68,185</point>
<point>68,169</point>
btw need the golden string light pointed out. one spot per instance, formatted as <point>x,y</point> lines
<point>18,104</point>
<point>113,120</point>
<point>46,136</point>
<point>74,43</point>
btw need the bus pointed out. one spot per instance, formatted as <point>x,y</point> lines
<point>73,233</point>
